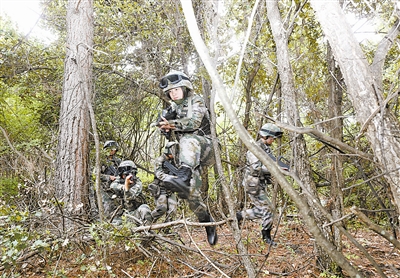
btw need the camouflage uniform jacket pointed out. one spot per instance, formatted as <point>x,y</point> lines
<point>254,166</point>
<point>192,116</point>
<point>132,198</point>
<point>109,168</point>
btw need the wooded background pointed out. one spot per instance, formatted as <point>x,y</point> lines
<point>331,88</point>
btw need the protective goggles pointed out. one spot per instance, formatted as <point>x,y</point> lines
<point>126,170</point>
<point>173,79</point>
<point>275,134</point>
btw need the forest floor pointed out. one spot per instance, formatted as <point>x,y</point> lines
<point>184,252</point>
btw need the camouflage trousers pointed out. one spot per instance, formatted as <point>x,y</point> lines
<point>262,206</point>
<point>195,200</point>
<point>109,204</point>
<point>166,202</point>
<point>142,213</point>
<point>196,151</point>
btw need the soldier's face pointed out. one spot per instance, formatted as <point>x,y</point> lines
<point>176,93</point>
<point>268,140</point>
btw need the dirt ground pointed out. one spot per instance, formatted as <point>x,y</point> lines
<point>184,252</point>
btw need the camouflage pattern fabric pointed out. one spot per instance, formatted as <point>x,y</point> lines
<point>255,166</point>
<point>109,204</point>
<point>109,168</point>
<point>196,150</point>
<point>166,201</point>
<point>133,201</point>
<point>255,180</point>
<point>192,115</point>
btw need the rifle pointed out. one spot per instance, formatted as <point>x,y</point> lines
<point>111,169</point>
<point>167,114</point>
<point>280,162</point>
<point>172,169</point>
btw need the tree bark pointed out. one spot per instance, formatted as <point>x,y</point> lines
<point>335,203</point>
<point>72,163</point>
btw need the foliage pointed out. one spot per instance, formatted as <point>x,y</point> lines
<point>8,188</point>
<point>16,238</point>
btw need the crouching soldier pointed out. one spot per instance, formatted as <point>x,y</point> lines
<point>108,173</point>
<point>127,189</point>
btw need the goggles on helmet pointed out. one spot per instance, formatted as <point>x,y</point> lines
<point>173,79</point>
<point>126,170</point>
<point>276,134</point>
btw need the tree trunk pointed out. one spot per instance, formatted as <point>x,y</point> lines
<point>380,126</point>
<point>72,163</point>
<point>335,204</point>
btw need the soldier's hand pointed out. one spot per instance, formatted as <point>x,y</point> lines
<point>165,125</point>
<point>112,178</point>
<point>128,182</point>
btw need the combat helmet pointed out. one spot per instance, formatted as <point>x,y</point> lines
<point>110,144</point>
<point>126,167</point>
<point>175,79</point>
<point>270,130</point>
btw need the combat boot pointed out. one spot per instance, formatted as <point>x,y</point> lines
<point>266,235</point>
<point>211,231</point>
<point>180,183</point>
<point>177,185</point>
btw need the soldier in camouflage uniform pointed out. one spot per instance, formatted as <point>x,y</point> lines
<point>255,180</point>
<point>165,199</point>
<point>191,127</point>
<point>127,192</point>
<point>108,173</point>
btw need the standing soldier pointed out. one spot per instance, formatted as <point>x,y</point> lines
<point>127,193</point>
<point>164,198</point>
<point>255,181</point>
<point>108,174</point>
<point>191,127</point>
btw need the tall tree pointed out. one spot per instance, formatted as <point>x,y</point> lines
<point>72,163</point>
